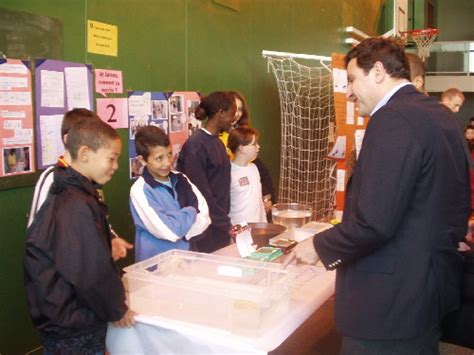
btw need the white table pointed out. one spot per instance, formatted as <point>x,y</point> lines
<point>155,335</point>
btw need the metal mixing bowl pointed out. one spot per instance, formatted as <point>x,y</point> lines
<point>263,232</point>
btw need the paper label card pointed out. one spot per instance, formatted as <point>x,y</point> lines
<point>108,81</point>
<point>340,80</point>
<point>113,111</point>
<point>102,38</point>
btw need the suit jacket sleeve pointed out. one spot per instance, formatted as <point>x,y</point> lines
<point>388,168</point>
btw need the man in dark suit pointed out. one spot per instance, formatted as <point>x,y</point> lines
<point>407,206</point>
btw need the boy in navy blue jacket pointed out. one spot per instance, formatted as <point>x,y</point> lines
<point>73,286</point>
<point>167,209</point>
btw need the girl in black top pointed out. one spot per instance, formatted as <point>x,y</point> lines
<point>204,160</point>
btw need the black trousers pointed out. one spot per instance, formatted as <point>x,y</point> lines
<point>425,344</point>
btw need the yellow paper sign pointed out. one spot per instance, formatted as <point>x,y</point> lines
<point>102,38</point>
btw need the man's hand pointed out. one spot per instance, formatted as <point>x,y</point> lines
<point>304,252</point>
<point>119,248</point>
<point>127,320</point>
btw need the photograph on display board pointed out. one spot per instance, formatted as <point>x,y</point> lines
<point>177,122</point>
<point>16,160</point>
<point>159,109</point>
<point>193,123</point>
<point>176,104</point>
<point>136,168</point>
<point>137,122</point>
<point>162,123</point>
<point>59,87</point>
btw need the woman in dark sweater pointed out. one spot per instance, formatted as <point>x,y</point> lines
<point>204,160</point>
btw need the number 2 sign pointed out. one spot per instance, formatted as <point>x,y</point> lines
<point>113,111</point>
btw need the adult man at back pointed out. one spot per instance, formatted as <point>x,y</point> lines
<point>407,206</point>
<point>453,99</point>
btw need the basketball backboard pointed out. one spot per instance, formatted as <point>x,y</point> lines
<point>400,13</point>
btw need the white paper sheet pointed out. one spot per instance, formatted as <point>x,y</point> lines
<point>359,138</point>
<point>15,98</point>
<point>52,88</point>
<point>13,114</point>
<point>350,110</point>
<point>51,143</point>
<point>340,80</point>
<point>12,124</point>
<point>244,243</point>
<point>77,88</point>
<point>10,82</point>
<point>8,68</point>
<point>340,180</point>
<point>139,105</point>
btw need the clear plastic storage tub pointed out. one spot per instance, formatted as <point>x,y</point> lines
<point>236,295</point>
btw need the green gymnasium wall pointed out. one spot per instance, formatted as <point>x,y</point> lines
<point>167,45</point>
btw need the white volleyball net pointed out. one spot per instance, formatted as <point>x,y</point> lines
<point>307,130</point>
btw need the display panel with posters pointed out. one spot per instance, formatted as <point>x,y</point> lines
<point>144,108</point>
<point>182,120</point>
<point>16,118</point>
<point>350,129</point>
<point>173,112</point>
<point>60,86</point>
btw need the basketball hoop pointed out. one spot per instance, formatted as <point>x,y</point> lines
<point>423,40</point>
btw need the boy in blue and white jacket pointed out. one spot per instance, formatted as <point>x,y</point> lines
<point>167,209</point>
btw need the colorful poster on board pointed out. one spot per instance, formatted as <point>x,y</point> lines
<point>60,87</point>
<point>144,108</point>
<point>181,116</point>
<point>173,112</point>
<point>16,118</point>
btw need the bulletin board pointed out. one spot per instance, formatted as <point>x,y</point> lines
<point>60,86</point>
<point>172,111</point>
<point>26,36</point>
<point>350,129</point>
<point>183,123</point>
<point>16,118</point>
<point>144,108</point>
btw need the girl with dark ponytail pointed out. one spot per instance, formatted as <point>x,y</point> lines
<point>204,160</point>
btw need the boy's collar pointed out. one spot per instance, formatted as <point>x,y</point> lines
<point>62,162</point>
<point>150,180</point>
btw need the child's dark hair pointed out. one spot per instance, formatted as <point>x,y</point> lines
<point>245,119</point>
<point>92,133</point>
<point>241,136</point>
<point>213,103</point>
<point>71,117</point>
<point>149,137</point>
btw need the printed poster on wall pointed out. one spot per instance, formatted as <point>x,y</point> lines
<point>60,87</point>
<point>172,112</point>
<point>183,123</point>
<point>16,118</point>
<point>144,108</point>
<point>102,38</point>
